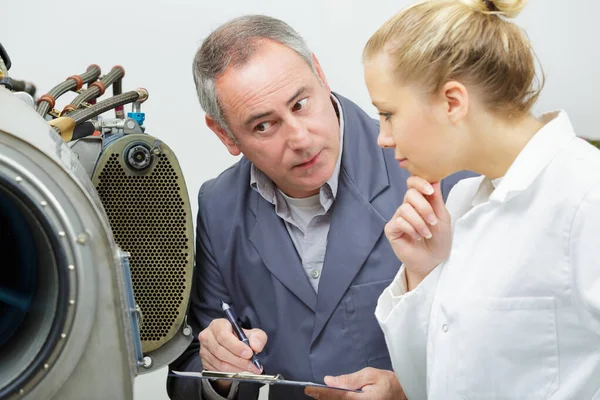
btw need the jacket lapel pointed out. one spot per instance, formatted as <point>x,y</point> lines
<point>355,228</point>
<point>272,241</point>
<point>355,224</point>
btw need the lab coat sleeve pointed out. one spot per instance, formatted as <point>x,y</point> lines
<point>404,319</point>
<point>584,249</point>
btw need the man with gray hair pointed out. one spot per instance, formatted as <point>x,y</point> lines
<point>291,235</point>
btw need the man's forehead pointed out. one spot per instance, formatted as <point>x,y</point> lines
<point>274,74</point>
<point>269,61</point>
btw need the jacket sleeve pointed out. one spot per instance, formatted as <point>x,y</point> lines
<point>208,289</point>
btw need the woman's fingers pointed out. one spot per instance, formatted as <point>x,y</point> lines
<point>410,215</point>
<point>420,184</point>
<point>432,193</point>
<point>398,226</point>
<point>437,202</point>
<point>421,205</point>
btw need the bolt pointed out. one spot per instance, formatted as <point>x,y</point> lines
<point>147,363</point>
<point>82,238</point>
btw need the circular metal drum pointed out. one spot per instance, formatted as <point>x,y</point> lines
<point>61,275</point>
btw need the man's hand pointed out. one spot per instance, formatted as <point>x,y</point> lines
<point>376,384</point>
<point>221,350</point>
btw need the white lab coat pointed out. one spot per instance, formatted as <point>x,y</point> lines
<point>514,312</point>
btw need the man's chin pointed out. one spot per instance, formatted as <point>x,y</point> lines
<point>305,188</point>
<point>312,179</point>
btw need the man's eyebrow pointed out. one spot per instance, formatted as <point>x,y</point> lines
<point>295,96</point>
<point>254,117</point>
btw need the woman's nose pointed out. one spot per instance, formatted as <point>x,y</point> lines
<point>385,139</point>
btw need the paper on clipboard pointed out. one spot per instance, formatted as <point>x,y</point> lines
<point>250,377</point>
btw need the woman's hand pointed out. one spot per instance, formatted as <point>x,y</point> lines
<point>419,231</point>
<point>376,384</point>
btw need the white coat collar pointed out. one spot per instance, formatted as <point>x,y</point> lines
<point>535,156</point>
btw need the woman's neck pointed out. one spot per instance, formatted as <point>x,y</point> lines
<point>498,143</point>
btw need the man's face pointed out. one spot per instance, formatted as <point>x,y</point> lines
<point>282,117</point>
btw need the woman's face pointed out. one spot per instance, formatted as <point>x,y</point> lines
<point>415,124</point>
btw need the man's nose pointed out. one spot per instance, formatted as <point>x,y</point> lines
<point>299,136</point>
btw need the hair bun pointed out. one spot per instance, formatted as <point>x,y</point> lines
<point>507,8</point>
<point>490,5</point>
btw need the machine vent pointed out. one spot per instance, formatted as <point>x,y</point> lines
<point>147,215</point>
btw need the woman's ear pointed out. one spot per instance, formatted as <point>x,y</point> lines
<point>455,100</point>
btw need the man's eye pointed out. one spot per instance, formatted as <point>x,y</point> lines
<point>300,105</point>
<point>262,127</point>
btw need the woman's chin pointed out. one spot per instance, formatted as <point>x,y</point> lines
<point>429,176</point>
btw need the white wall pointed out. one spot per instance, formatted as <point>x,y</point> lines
<point>155,41</point>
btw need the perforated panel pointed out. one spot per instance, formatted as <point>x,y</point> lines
<point>149,220</point>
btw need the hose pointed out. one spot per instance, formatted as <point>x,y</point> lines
<point>5,63</point>
<point>96,89</point>
<point>102,106</point>
<point>46,102</point>
<point>117,90</point>
<point>76,125</point>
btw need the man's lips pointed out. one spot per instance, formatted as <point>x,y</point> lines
<point>310,162</point>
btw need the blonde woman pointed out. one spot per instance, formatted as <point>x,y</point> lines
<point>498,296</point>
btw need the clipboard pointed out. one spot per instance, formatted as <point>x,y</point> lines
<point>253,378</point>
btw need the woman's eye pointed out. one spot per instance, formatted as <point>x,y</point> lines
<point>300,105</point>
<point>262,127</point>
<point>386,116</point>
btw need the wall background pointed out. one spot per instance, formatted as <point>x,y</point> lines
<point>155,41</point>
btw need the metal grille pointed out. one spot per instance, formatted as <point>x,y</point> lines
<point>148,219</point>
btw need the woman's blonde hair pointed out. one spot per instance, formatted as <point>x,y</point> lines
<point>435,41</point>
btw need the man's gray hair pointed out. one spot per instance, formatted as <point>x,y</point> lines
<point>233,44</point>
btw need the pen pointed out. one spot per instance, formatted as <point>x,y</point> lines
<point>239,332</point>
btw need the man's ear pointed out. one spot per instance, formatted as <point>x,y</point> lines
<point>320,72</point>
<point>455,100</point>
<point>223,136</point>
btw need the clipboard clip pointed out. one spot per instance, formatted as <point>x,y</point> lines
<point>242,376</point>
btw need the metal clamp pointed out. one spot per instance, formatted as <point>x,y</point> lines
<point>138,312</point>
